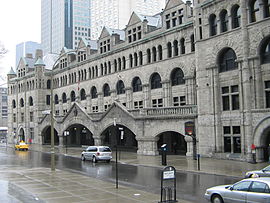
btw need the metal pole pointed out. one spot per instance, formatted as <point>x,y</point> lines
<point>66,144</point>
<point>116,167</point>
<point>52,129</point>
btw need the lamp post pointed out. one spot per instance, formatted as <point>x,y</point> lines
<point>116,156</point>
<point>66,133</point>
<point>52,127</point>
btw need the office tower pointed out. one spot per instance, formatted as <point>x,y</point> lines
<point>24,48</point>
<point>116,13</point>
<point>63,23</point>
<point>3,108</point>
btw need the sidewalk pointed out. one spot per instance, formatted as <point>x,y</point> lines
<point>181,163</point>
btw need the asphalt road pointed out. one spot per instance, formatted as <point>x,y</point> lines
<point>191,186</point>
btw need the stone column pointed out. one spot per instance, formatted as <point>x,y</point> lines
<point>190,145</point>
<point>166,93</point>
<point>61,140</point>
<point>100,101</point>
<point>146,93</point>
<point>147,146</point>
<point>129,97</point>
<point>60,107</point>
<point>113,95</point>
<point>89,103</point>
<point>258,84</point>
<point>246,88</point>
<point>97,140</point>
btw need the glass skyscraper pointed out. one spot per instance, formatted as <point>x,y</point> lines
<point>63,23</point>
<point>24,48</point>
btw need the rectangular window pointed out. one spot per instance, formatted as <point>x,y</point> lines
<point>232,139</point>
<point>179,101</point>
<point>160,102</point>
<point>31,116</point>
<point>22,117</point>
<point>174,22</point>
<point>230,98</point>
<point>14,117</point>
<point>31,130</point>
<point>94,109</point>
<point>138,104</point>
<point>168,24</point>
<point>267,94</point>
<point>48,99</point>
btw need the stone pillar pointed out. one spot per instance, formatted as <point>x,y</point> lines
<point>147,146</point>
<point>190,90</point>
<point>89,103</point>
<point>61,141</point>
<point>100,101</point>
<point>190,145</point>
<point>113,95</point>
<point>97,140</point>
<point>166,93</point>
<point>246,87</point>
<point>146,93</point>
<point>129,97</point>
<point>258,84</point>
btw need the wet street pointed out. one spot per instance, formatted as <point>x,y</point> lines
<point>190,185</point>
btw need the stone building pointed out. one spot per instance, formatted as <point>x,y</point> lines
<point>195,77</point>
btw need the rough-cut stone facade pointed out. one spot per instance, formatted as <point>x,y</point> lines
<point>179,57</point>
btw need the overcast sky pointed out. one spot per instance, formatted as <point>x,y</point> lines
<point>19,22</point>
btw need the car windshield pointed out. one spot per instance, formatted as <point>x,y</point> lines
<point>105,149</point>
<point>22,143</point>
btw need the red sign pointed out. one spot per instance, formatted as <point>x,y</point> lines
<point>190,128</point>
<point>253,146</point>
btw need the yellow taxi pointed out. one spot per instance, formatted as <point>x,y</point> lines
<point>21,146</point>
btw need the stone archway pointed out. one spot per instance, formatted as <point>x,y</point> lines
<point>120,135</point>
<point>78,135</point>
<point>176,143</point>
<point>262,140</point>
<point>46,136</point>
<point>21,135</point>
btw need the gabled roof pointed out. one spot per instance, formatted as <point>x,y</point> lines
<point>151,20</point>
<point>84,42</point>
<point>172,3</point>
<point>30,62</point>
<point>111,31</point>
<point>39,62</point>
<point>11,72</point>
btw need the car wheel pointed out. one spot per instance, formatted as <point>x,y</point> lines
<point>217,199</point>
<point>94,159</point>
<point>83,158</point>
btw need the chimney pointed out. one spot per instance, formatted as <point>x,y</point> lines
<point>28,55</point>
<point>39,54</point>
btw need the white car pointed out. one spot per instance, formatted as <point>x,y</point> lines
<point>251,190</point>
<point>97,153</point>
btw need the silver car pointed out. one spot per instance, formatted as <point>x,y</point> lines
<point>97,153</point>
<point>252,190</point>
<point>265,172</point>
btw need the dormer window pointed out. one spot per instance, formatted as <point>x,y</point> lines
<point>63,63</point>
<point>105,46</point>
<point>175,18</point>
<point>81,56</point>
<point>134,34</point>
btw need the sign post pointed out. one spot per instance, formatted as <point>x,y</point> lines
<point>168,185</point>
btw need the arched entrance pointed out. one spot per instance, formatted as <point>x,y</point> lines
<point>77,135</point>
<point>176,143</point>
<point>21,135</point>
<point>265,144</point>
<point>46,136</point>
<point>125,137</point>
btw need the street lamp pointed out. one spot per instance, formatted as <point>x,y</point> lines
<point>66,133</point>
<point>52,127</point>
<point>116,156</point>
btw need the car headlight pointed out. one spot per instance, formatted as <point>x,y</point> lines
<point>207,192</point>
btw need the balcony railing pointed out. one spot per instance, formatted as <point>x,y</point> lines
<point>166,111</point>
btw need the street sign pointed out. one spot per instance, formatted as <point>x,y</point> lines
<point>190,128</point>
<point>168,185</point>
